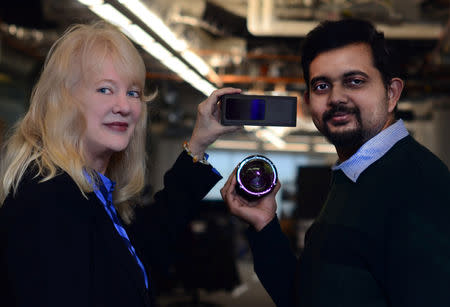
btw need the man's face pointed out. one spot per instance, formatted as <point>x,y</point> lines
<point>348,100</point>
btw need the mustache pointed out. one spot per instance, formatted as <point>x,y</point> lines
<point>339,108</point>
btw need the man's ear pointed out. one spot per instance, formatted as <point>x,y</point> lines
<point>394,92</point>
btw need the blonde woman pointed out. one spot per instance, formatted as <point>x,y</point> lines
<point>71,173</point>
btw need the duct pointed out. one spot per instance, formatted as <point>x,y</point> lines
<point>15,63</point>
<point>211,38</point>
<point>261,21</point>
<point>21,49</point>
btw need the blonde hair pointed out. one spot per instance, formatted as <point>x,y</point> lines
<point>49,135</point>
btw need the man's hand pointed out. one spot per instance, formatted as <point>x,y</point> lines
<point>257,213</point>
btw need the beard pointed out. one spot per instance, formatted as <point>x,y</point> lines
<point>353,138</point>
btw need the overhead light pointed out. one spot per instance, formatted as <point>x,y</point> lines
<point>233,144</point>
<point>177,66</point>
<point>204,86</point>
<point>191,57</point>
<point>269,136</point>
<point>164,33</point>
<point>91,2</point>
<point>159,27</point>
<point>108,12</point>
<point>279,131</point>
<point>154,23</point>
<point>291,147</point>
<point>150,45</point>
<point>157,51</point>
<point>138,35</point>
<point>251,128</point>
<point>12,29</point>
<point>300,147</point>
<point>324,148</point>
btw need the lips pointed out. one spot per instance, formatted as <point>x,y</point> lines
<point>339,114</point>
<point>340,117</point>
<point>117,126</point>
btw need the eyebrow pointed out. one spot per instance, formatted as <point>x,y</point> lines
<point>133,85</point>
<point>105,80</point>
<point>345,75</point>
<point>320,78</point>
<point>355,72</point>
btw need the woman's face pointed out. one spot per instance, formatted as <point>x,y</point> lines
<point>111,106</point>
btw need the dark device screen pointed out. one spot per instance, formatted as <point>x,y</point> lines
<point>245,109</point>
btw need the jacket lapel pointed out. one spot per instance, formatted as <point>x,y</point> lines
<point>119,251</point>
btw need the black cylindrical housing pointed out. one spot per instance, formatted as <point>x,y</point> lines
<point>256,176</point>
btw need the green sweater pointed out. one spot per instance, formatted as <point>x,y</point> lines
<point>382,241</point>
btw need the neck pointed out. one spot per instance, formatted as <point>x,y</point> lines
<point>98,162</point>
<point>344,153</point>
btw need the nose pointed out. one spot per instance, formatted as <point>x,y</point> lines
<point>338,95</point>
<point>122,105</point>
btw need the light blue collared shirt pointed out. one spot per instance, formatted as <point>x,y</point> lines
<point>372,150</point>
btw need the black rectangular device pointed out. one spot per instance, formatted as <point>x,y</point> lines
<point>258,110</point>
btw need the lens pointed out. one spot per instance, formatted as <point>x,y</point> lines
<point>256,176</point>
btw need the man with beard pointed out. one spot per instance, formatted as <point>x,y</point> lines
<point>383,236</point>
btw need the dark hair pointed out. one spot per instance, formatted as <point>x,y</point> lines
<point>330,35</point>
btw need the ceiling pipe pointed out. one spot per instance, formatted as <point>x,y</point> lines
<point>261,21</point>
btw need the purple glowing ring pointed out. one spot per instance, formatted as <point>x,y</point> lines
<point>260,158</point>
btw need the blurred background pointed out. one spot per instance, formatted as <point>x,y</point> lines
<point>192,47</point>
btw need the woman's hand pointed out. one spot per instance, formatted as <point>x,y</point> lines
<point>207,125</point>
<point>257,213</point>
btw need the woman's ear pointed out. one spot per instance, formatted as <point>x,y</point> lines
<point>394,92</point>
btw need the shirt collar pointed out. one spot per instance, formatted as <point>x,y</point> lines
<point>372,150</point>
<point>108,184</point>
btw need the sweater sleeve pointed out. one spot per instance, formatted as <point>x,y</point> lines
<point>157,227</point>
<point>274,262</point>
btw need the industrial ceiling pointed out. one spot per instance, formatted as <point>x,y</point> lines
<point>250,44</point>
